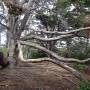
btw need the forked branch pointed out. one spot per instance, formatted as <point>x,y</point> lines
<point>61,59</point>
<point>57,62</point>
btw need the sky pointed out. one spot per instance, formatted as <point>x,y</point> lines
<point>3,38</point>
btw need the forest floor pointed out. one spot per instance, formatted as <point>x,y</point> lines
<point>37,76</point>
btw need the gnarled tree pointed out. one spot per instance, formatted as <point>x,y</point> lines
<point>19,14</point>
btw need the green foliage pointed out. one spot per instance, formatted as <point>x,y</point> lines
<point>62,4</point>
<point>4,50</point>
<point>33,53</point>
<point>78,1</point>
<point>79,55</point>
<point>78,49</point>
<point>87,3</point>
<point>75,16</point>
<point>47,20</point>
<point>37,54</point>
<point>85,85</point>
<point>79,67</point>
<point>74,54</point>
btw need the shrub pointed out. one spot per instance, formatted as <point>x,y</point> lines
<point>37,54</point>
<point>33,53</point>
<point>4,50</point>
<point>80,67</point>
<point>85,85</point>
<point>80,56</point>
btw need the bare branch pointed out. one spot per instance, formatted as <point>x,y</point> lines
<point>26,16</point>
<point>4,25</point>
<point>68,32</point>
<point>62,59</point>
<point>45,39</point>
<point>2,16</point>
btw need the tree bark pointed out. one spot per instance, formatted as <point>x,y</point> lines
<point>11,51</point>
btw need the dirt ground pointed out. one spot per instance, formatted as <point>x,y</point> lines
<point>37,76</point>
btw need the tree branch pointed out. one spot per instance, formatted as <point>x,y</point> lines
<point>62,59</point>
<point>68,32</point>
<point>26,16</point>
<point>4,25</point>
<point>2,16</point>
<point>45,39</point>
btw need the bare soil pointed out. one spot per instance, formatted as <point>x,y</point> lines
<point>37,76</point>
